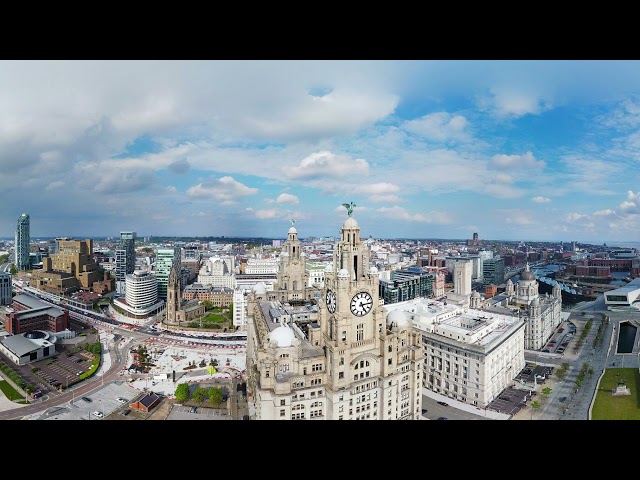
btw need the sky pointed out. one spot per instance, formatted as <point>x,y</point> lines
<point>513,150</point>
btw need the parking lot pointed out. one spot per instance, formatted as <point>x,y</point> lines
<point>104,400</point>
<point>182,412</point>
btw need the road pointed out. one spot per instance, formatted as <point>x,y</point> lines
<point>119,358</point>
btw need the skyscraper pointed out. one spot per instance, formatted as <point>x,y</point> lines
<point>22,242</point>
<point>125,259</point>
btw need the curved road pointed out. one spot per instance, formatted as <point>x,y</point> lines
<point>95,383</point>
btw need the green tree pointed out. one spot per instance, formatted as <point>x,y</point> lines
<point>547,390</point>
<point>231,310</point>
<point>4,258</point>
<point>215,395</point>
<point>535,405</point>
<point>207,305</point>
<point>200,394</point>
<point>182,392</point>
<point>13,270</point>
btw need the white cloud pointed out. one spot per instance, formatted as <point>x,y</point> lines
<point>526,160</point>
<point>604,213</point>
<point>384,198</point>
<point>509,103</point>
<point>399,213</point>
<point>540,199</point>
<point>439,127</point>
<point>327,164</point>
<point>574,217</point>
<point>504,178</point>
<point>54,185</point>
<point>225,189</point>
<point>267,213</point>
<point>287,198</point>
<point>377,188</point>
<point>632,204</point>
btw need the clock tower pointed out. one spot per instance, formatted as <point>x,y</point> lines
<point>350,316</point>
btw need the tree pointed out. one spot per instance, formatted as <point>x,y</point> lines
<point>200,394</point>
<point>207,305</point>
<point>535,405</point>
<point>4,258</point>
<point>547,390</point>
<point>13,270</point>
<point>215,395</point>
<point>182,392</point>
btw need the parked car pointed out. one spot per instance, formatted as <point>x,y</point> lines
<point>126,412</point>
<point>122,400</point>
<point>98,414</point>
<point>443,418</point>
<point>444,404</point>
<point>86,399</point>
<point>193,409</point>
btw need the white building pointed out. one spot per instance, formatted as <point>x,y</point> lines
<point>462,271</point>
<point>316,271</point>
<point>261,265</point>
<point>624,298</point>
<point>218,272</point>
<point>141,295</point>
<point>240,309</point>
<point>470,355</point>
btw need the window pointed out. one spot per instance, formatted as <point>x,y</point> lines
<point>340,374</point>
<point>390,361</point>
<point>282,413</point>
<point>282,402</point>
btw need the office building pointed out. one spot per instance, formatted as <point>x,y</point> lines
<point>141,296</point>
<point>166,258</point>
<point>407,284</point>
<point>22,243</point>
<point>469,355</point>
<point>493,271</point>
<point>125,255</point>
<point>71,269</point>
<point>27,313</point>
<point>5,288</point>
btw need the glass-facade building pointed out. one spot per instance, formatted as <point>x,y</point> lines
<point>22,242</point>
<point>125,259</point>
<point>165,258</point>
<point>493,271</point>
<point>406,284</point>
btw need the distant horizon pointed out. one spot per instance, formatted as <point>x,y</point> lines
<point>141,237</point>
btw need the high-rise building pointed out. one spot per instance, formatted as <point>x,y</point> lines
<point>5,288</point>
<point>165,259</point>
<point>462,277</point>
<point>22,242</point>
<point>125,259</point>
<point>493,271</point>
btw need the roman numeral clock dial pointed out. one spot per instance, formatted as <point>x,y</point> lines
<point>361,304</point>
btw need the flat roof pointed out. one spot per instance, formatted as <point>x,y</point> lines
<point>19,345</point>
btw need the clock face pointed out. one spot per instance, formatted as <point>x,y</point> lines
<point>361,304</point>
<point>331,301</point>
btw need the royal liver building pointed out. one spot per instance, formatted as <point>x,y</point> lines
<point>340,358</point>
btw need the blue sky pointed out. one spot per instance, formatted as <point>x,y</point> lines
<point>513,150</point>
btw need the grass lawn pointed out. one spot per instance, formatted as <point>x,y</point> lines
<point>9,391</point>
<point>625,407</point>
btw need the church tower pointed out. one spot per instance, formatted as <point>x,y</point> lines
<point>292,276</point>
<point>173,295</point>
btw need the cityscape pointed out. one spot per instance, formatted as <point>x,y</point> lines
<point>319,240</point>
